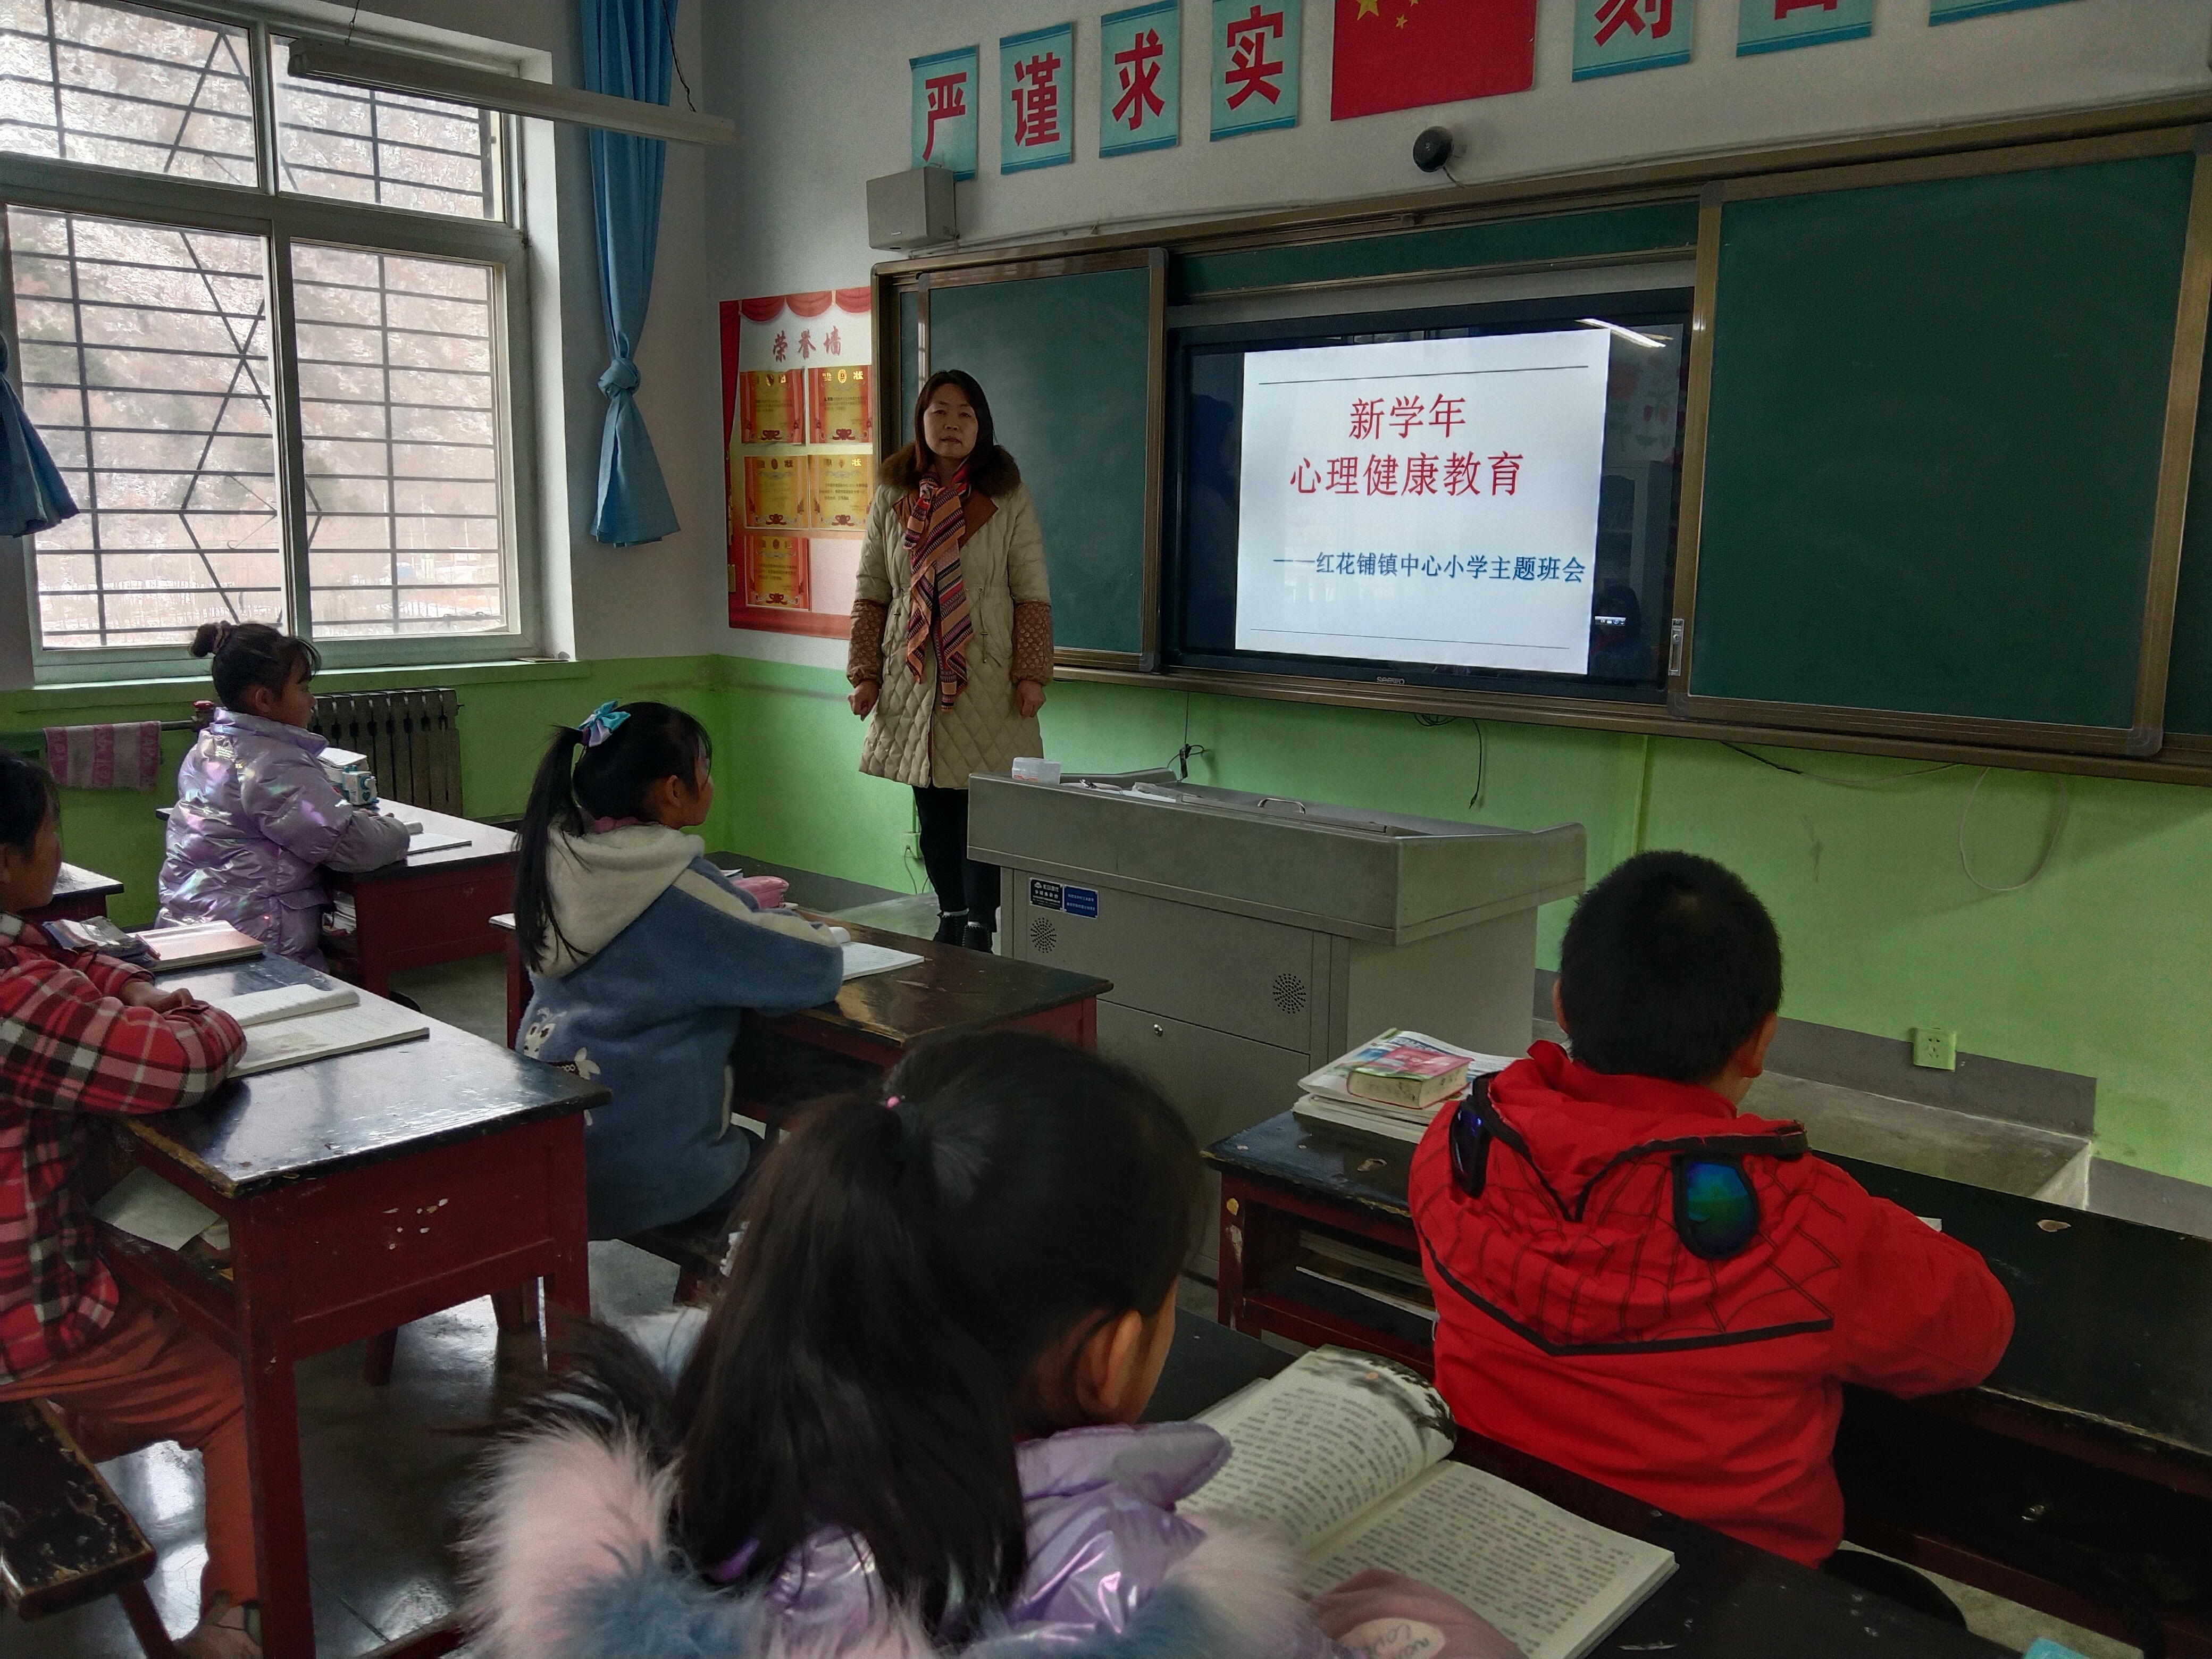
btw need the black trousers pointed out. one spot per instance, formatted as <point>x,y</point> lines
<point>961,883</point>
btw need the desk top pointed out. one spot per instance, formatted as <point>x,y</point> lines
<point>950,989</point>
<point>1726,1599</point>
<point>75,882</point>
<point>486,846</point>
<point>2111,1333</point>
<point>333,1113</point>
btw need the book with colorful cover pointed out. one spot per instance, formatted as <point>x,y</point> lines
<point>1395,1046</point>
<point>1408,1074</point>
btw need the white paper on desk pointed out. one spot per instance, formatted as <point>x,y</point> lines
<point>252,1008</point>
<point>434,841</point>
<point>371,1024</point>
<point>146,1206</point>
<point>862,960</point>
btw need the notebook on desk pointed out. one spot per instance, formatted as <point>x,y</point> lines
<point>198,945</point>
<point>1346,1454</point>
<point>293,1024</point>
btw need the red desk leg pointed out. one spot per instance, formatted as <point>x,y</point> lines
<point>568,1285</point>
<point>272,1433</point>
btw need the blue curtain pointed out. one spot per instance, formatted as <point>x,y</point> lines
<point>33,496</point>
<point>627,52</point>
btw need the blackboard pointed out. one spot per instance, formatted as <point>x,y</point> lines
<point>1066,362</point>
<point>1933,450</point>
<point>1592,236</point>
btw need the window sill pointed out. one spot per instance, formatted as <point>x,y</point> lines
<point>102,694</point>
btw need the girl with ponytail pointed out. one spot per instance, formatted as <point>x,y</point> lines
<point>910,1426</point>
<point>258,818</point>
<point>643,957</point>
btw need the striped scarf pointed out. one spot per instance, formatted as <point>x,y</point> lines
<point>937,601</point>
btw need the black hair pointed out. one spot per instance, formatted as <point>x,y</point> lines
<point>907,1260</point>
<point>27,795</point>
<point>609,780</point>
<point>1668,967</point>
<point>991,470</point>
<point>252,653</point>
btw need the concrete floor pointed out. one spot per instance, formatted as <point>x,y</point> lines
<point>384,1467</point>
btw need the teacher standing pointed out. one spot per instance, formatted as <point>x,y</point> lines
<point>951,641</point>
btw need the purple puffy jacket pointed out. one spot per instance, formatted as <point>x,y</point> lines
<point>256,821</point>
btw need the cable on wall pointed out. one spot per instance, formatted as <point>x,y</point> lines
<point>1481,748</point>
<point>2058,828</point>
<point>1883,782</point>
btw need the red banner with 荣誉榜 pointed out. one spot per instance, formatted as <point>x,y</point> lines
<point>1402,54</point>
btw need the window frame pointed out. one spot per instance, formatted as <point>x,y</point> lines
<point>281,218</point>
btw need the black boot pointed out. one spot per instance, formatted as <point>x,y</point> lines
<point>949,924</point>
<point>977,938</point>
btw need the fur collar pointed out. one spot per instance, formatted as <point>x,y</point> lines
<point>568,1557</point>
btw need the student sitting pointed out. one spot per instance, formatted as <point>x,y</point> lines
<point>910,1426</point>
<point>643,957</point>
<point>1637,1282</point>
<point>79,1034</point>
<point>258,818</point>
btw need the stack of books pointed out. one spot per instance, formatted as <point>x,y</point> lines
<point>1392,1086</point>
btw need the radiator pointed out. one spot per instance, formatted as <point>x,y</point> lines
<point>412,740</point>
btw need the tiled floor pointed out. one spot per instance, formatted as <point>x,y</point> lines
<point>384,1467</point>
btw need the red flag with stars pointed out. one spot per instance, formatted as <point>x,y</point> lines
<point>1402,54</point>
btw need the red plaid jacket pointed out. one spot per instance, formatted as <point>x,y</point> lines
<point>69,1047</point>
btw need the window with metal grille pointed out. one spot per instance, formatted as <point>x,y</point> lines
<point>276,346</point>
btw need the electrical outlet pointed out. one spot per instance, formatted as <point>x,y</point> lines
<point>1935,1047</point>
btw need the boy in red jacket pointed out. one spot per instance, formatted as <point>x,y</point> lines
<point>82,1034</point>
<point>1637,1282</point>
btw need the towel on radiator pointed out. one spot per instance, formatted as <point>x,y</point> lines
<point>126,756</point>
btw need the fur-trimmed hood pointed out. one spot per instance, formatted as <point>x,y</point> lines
<point>570,1558</point>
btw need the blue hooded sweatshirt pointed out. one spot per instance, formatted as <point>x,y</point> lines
<point>661,958</point>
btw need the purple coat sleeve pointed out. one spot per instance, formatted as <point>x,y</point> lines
<point>291,798</point>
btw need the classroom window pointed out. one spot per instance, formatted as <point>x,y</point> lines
<point>150,209</point>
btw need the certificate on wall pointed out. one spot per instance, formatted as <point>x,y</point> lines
<point>776,490</point>
<point>838,398</point>
<point>842,485</point>
<point>776,573</point>
<point>771,406</point>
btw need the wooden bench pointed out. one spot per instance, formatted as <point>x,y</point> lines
<point>65,1539</point>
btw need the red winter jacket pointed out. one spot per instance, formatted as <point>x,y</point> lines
<point>1573,1323</point>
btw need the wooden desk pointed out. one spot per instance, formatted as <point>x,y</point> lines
<point>361,1192</point>
<point>429,906</point>
<point>2103,1384</point>
<point>1725,1600</point>
<point>878,1018</point>
<point>79,894</point>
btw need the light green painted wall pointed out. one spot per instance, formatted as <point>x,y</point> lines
<point>2101,967</point>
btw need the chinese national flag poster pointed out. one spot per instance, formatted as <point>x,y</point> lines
<point>1402,54</point>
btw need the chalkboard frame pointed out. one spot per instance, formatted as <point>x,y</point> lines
<point>914,293</point>
<point>2144,736</point>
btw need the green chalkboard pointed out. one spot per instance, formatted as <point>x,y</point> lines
<point>1934,443</point>
<point>2188,672</point>
<point>1591,235</point>
<point>1065,362</point>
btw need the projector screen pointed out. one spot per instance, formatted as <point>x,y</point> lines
<point>1424,501</point>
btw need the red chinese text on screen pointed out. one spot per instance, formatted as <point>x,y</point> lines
<point>1613,16</point>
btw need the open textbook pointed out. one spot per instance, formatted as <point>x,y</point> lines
<point>1346,1454</point>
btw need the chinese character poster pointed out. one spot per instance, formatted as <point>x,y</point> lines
<point>1403,54</point>
<point>1255,65</point>
<point>944,85</point>
<point>1613,37</point>
<point>1140,78</point>
<point>1778,25</point>
<point>1954,11</point>
<point>1036,100</point>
